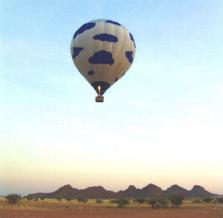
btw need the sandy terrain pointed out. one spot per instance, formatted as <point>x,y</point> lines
<point>74,209</point>
<point>114,213</point>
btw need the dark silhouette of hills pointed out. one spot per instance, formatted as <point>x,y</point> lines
<point>149,191</point>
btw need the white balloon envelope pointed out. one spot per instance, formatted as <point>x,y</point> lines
<point>102,50</point>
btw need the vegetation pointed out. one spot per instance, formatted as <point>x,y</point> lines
<point>159,202</point>
<point>29,198</point>
<point>13,198</point>
<point>140,200</point>
<point>120,202</point>
<point>83,200</point>
<point>220,200</point>
<point>59,198</point>
<point>207,200</point>
<point>99,201</point>
<point>176,200</point>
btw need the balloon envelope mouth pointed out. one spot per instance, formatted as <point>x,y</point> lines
<point>103,86</point>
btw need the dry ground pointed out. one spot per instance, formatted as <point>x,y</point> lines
<point>74,209</point>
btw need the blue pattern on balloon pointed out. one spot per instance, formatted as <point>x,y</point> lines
<point>106,37</point>
<point>101,57</point>
<point>113,22</point>
<point>83,28</point>
<point>76,51</point>
<point>129,56</point>
<point>131,37</point>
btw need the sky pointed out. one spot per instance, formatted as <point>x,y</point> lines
<point>161,123</point>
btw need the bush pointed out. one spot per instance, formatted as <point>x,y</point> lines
<point>140,200</point>
<point>220,200</point>
<point>59,198</point>
<point>153,202</point>
<point>197,201</point>
<point>13,198</point>
<point>207,200</point>
<point>113,201</point>
<point>99,201</point>
<point>159,202</point>
<point>176,200</point>
<point>29,198</point>
<point>121,202</point>
<point>83,200</point>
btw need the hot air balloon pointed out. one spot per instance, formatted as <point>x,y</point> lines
<point>102,50</point>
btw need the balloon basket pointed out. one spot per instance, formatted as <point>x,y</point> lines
<point>99,98</point>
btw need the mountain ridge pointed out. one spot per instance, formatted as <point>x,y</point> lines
<point>149,191</point>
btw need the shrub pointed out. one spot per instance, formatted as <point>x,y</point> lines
<point>207,200</point>
<point>153,202</point>
<point>113,201</point>
<point>121,202</point>
<point>140,200</point>
<point>176,200</point>
<point>59,198</point>
<point>197,201</point>
<point>13,198</point>
<point>159,202</point>
<point>220,200</point>
<point>84,200</point>
<point>99,201</point>
<point>29,198</point>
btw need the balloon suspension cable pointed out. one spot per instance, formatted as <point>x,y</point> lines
<point>99,98</point>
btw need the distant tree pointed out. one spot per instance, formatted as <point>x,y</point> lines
<point>29,198</point>
<point>176,200</point>
<point>164,202</point>
<point>113,201</point>
<point>59,198</point>
<point>207,200</point>
<point>220,200</point>
<point>122,202</point>
<point>68,198</point>
<point>159,202</point>
<point>99,201</point>
<point>83,200</point>
<point>140,200</point>
<point>197,201</point>
<point>153,202</point>
<point>13,198</point>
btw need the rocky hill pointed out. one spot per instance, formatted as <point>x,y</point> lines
<point>149,191</point>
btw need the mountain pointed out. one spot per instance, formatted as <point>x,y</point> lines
<point>199,191</point>
<point>96,192</point>
<point>130,192</point>
<point>149,191</point>
<point>176,190</point>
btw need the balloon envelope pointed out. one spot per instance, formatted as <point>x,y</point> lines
<point>102,50</point>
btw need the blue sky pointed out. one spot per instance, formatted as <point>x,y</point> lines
<point>160,123</point>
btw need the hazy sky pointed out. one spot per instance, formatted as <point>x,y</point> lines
<point>162,123</point>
